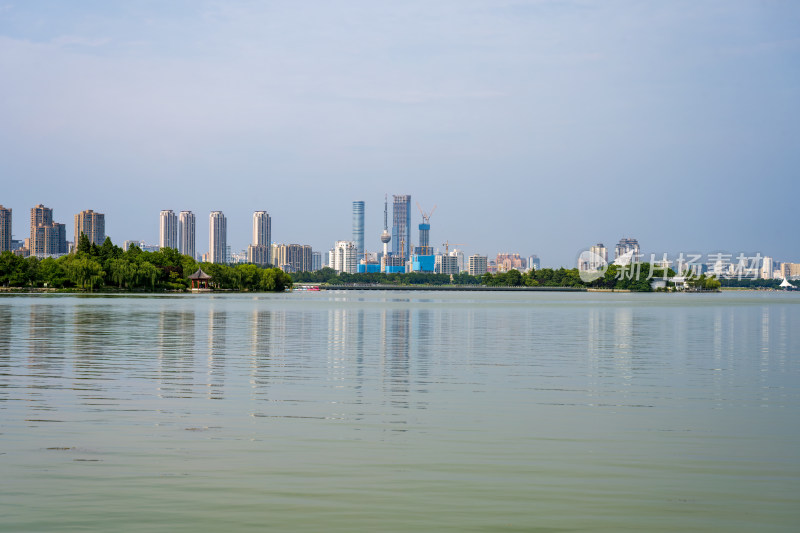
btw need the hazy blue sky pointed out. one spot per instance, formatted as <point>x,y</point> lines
<point>534,126</point>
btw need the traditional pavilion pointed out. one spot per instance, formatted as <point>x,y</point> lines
<point>200,281</point>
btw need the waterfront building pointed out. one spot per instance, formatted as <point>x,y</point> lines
<point>423,263</point>
<point>292,257</point>
<point>258,254</point>
<point>534,263</point>
<point>91,224</point>
<point>369,263</point>
<point>40,216</point>
<point>143,246</point>
<point>186,234</point>
<point>358,227</point>
<point>50,240</point>
<point>316,261</point>
<point>477,265</point>
<point>627,251</point>
<point>460,259</point>
<point>790,270</point>
<point>217,237</point>
<point>446,264</point>
<point>599,256</point>
<point>401,225</point>
<point>393,264</point>
<point>262,231</point>
<point>47,238</point>
<point>767,268</point>
<point>506,262</point>
<point>345,257</point>
<point>168,229</point>
<point>5,229</point>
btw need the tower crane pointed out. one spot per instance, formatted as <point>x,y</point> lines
<point>447,245</point>
<point>426,217</point>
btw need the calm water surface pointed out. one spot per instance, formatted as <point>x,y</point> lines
<point>365,411</point>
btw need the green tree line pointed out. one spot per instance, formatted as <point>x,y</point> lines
<point>635,277</point>
<point>107,267</point>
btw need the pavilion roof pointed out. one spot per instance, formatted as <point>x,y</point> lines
<point>199,275</point>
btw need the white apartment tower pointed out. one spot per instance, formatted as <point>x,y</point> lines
<point>478,265</point>
<point>186,238</point>
<point>345,257</point>
<point>767,268</point>
<point>217,237</point>
<point>168,229</point>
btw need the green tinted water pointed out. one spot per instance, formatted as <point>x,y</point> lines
<point>400,411</point>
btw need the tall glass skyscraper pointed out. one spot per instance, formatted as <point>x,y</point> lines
<point>358,228</point>
<point>401,225</point>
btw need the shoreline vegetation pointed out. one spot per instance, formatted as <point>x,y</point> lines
<point>107,268</point>
<point>633,278</point>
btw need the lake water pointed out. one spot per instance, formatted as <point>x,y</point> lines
<point>393,411</point>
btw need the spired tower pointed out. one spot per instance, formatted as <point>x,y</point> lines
<point>385,236</point>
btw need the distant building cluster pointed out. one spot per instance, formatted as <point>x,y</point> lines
<point>399,255</point>
<point>396,254</point>
<point>721,265</point>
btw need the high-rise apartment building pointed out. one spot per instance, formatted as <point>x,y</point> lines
<point>345,257</point>
<point>186,234</point>
<point>478,265</point>
<point>40,216</point>
<point>262,232</point>
<point>627,246</point>
<point>316,261</point>
<point>168,229</point>
<point>358,227</point>
<point>507,261</point>
<point>292,257</point>
<point>598,257</point>
<point>5,229</point>
<point>217,237</point>
<point>401,225</point>
<point>767,268</point>
<point>446,264</point>
<point>91,224</point>
<point>48,238</point>
<point>258,254</point>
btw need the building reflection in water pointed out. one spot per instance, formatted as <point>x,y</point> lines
<point>217,338</point>
<point>396,330</point>
<point>261,338</point>
<point>45,362</point>
<point>6,332</point>
<point>46,333</point>
<point>175,341</point>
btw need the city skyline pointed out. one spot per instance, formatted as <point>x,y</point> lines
<point>541,127</point>
<point>94,224</point>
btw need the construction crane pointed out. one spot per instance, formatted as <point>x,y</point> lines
<point>426,217</point>
<point>447,245</point>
